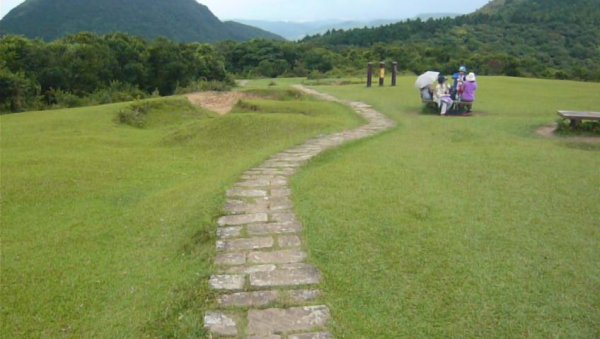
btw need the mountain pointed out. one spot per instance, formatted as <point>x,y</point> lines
<point>179,20</point>
<point>297,30</point>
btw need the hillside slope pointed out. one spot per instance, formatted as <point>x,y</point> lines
<point>561,35</point>
<point>179,20</point>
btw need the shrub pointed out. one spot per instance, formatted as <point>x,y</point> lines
<point>135,115</point>
<point>117,92</point>
<point>58,98</point>
<point>203,86</point>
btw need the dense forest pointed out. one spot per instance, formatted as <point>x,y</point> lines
<point>114,67</point>
<point>534,38</point>
<point>541,38</point>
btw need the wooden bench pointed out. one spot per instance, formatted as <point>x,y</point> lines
<point>576,117</point>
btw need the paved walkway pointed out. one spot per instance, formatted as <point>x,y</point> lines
<point>265,289</point>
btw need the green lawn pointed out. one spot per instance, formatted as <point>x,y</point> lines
<point>108,230</point>
<point>460,227</point>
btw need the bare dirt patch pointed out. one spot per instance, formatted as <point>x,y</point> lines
<point>548,132</point>
<point>218,102</point>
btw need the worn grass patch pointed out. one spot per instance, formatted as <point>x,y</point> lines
<point>108,230</point>
<point>459,227</point>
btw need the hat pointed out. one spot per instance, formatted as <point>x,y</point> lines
<point>462,69</point>
<point>471,77</point>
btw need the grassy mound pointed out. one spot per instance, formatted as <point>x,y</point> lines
<point>108,230</point>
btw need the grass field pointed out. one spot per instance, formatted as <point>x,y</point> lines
<point>108,230</point>
<point>460,227</point>
<point>442,227</point>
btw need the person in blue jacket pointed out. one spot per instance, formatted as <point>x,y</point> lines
<point>459,79</point>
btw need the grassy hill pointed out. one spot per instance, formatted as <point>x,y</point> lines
<point>179,20</point>
<point>549,38</point>
<point>108,230</point>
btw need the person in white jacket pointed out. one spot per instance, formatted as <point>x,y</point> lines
<point>442,95</point>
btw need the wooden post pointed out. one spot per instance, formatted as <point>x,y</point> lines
<point>394,72</point>
<point>381,73</point>
<point>369,74</point>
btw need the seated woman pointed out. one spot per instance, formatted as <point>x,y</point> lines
<point>469,88</point>
<point>442,95</point>
<point>426,94</point>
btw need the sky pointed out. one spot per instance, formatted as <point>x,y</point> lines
<point>311,10</point>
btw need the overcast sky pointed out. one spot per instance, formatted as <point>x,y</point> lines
<point>308,10</point>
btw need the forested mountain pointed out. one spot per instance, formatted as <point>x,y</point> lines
<point>549,38</point>
<point>178,20</point>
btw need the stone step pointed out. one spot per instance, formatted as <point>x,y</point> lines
<point>229,282</point>
<point>274,228</point>
<point>292,276</point>
<point>241,244</point>
<point>242,219</point>
<point>284,321</point>
<point>276,257</point>
<point>259,299</point>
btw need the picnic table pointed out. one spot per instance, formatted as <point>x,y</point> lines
<point>576,117</point>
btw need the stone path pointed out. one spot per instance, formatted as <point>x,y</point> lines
<point>265,289</point>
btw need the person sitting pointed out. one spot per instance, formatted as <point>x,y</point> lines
<point>442,95</point>
<point>468,94</point>
<point>426,94</point>
<point>457,86</point>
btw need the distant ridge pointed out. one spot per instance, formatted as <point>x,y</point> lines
<point>294,30</point>
<point>179,20</point>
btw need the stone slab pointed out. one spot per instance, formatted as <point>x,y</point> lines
<point>246,193</point>
<point>248,299</point>
<point>230,259</point>
<point>254,183</point>
<point>229,282</point>
<point>244,244</point>
<point>315,335</point>
<point>229,232</point>
<point>242,207</point>
<point>287,241</point>
<point>286,277</point>
<point>274,228</point>
<point>280,203</point>
<point>283,217</point>
<point>251,269</point>
<point>276,321</point>
<point>276,257</point>
<point>220,324</point>
<point>242,219</point>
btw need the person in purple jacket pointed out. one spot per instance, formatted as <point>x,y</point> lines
<point>469,88</point>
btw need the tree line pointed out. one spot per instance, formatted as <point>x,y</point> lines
<point>113,67</point>
<point>86,68</point>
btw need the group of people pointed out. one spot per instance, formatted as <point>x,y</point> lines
<point>461,92</point>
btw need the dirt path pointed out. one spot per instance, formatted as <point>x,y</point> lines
<point>548,132</point>
<point>219,102</point>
